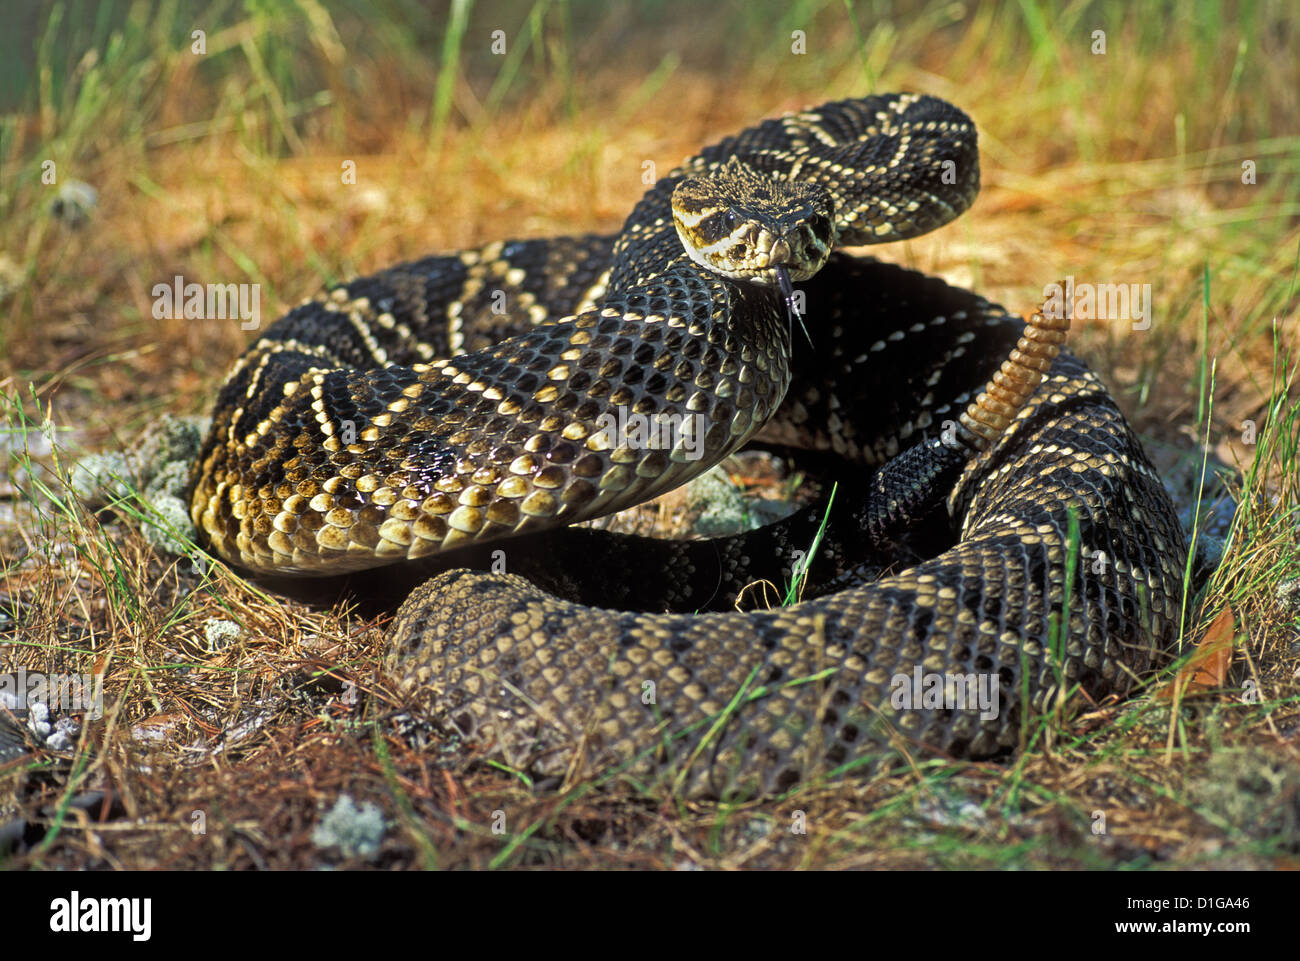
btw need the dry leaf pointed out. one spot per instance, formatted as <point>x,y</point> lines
<point>1207,668</point>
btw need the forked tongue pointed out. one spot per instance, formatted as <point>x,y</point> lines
<point>791,308</point>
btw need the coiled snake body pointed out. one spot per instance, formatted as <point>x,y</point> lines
<point>458,400</point>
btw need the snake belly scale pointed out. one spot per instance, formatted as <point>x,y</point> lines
<point>399,417</point>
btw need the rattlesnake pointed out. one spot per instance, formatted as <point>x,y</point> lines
<point>459,400</point>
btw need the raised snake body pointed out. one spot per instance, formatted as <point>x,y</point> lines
<point>393,418</point>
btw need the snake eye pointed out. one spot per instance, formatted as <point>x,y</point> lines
<point>821,226</point>
<point>719,225</point>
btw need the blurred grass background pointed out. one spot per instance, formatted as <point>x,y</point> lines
<point>223,166</point>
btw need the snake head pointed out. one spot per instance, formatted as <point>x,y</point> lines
<point>742,224</point>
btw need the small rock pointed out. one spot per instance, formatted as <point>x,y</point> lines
<point>355,831</point>
<point>64,736</point>
<point>1288,595</point>
<point>169,481</point>
<point>74,203</point>
<point>952,812</point>
<point>1209,554</point>
<point>162,456</point>
<point>720,503</point>
<point>168,531</point>
<point>170,441</point>
<point>99,479</point>
<point>38,719</point>
<point>220,634</point>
